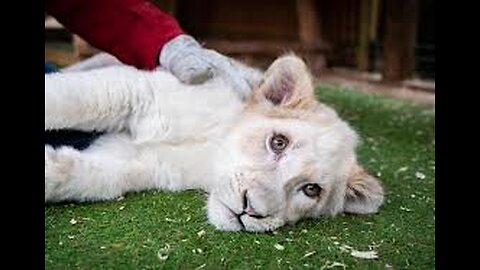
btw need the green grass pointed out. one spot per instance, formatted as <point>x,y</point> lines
<point>128,234</point>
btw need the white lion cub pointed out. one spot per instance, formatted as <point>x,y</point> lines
<point>271,158</point>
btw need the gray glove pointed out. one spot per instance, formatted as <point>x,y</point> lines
<point>185,58</point>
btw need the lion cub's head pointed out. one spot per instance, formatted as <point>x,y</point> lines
<point>289,157</point>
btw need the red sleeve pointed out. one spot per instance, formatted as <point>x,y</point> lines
<point>132,30</point>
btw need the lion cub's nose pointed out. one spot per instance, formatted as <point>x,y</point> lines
<point>248,208</point>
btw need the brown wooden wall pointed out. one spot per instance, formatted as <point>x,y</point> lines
<point>237,20</point>
<point>351,33</point>
<point>340,20</point>
<point>257,31</point>
<point>274,21</point>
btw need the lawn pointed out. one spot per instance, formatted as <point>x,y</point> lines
<point>164,230</point>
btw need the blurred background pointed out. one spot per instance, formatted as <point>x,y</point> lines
<point>387,46</point>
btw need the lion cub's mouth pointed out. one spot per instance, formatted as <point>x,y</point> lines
<point>247,210</point>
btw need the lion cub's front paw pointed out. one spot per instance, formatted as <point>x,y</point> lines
<point>58,169</point>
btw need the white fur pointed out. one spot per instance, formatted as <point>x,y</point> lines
<point>162,134</point>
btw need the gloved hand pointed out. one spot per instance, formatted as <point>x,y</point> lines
<point>185,58</point>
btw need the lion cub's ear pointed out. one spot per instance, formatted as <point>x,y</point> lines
<point>364,194</point>
<point>287,82</point>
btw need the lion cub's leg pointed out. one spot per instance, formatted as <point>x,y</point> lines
<point>112,166</point>
<point>96,100</point>
<point>73,175</point>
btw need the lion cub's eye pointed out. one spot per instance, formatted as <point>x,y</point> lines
<point>278,143</point>
<point>312,190</point>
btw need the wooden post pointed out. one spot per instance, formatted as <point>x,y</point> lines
<point>374,16</point>
<point>400,39</point>
<point>308,23</point>
<point>364,35</point>
<point>310,33</point>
